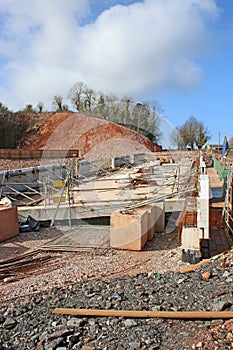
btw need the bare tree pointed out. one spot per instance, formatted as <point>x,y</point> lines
<point>231,142</point>
<point>99,108</point>
<point>126,102</point>
<point>143,117</point>
<point>202,136</point>
<point>154,120</point>
<point>77,95</point>
<point>40,107</point>
<point>89,99</point>
<point>58,103</point>
<point>177,140</point>
<point>3,109</point>
<point>193,133</point>
<point>28,108</point>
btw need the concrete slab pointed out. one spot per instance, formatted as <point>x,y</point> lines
<point>176,204</point>
<point>88,236</point>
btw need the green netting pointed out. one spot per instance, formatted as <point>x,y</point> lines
<point>221,170</point>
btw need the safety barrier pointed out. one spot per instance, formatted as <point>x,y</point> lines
<point>221,169</point>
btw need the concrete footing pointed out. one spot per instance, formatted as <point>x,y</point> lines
<point>191,256</point>
<point>9,223</point>
<point>159,216</point>
<point>131,230</point>
<point>151,222</point>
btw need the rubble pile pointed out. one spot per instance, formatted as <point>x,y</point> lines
<point>28,322</point>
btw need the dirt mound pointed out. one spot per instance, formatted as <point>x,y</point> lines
<point>92,136</point>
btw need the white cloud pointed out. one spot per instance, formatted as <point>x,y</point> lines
<point>134,49</point>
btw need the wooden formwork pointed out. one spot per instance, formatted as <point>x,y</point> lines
<point>186,219</point>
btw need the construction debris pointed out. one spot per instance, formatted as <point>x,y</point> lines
<point>29,264</point>
<point>29,225</point>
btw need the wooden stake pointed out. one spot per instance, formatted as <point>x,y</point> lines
<point>146,314</point>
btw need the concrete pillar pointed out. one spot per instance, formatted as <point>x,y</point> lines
<point>190,245</point>
<point>203,207</point>
<point>190,238</point>
<point>159,216</point>
<point>204,187</point>
<point>119,161</point>
<point>191,251</point>
<point>129,230</point>
<point>203,167</point>
<point>116,162</point>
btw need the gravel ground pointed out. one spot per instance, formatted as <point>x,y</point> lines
<point>162,254</point>
<point>110,279</point>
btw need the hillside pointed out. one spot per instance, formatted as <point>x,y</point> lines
<point>94,137</point>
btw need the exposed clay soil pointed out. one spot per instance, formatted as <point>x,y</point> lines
<point>84,132</point>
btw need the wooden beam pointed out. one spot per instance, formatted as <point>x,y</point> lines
<point>35,201</point>
<point>146,314</point>
<point>194,267</point>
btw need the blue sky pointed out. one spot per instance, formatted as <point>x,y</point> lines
<point>212,100</point>
<point>177,52</point>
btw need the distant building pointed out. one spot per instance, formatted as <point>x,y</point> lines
<point>214,147</point>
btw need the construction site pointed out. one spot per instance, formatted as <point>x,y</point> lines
<point>96,201</point>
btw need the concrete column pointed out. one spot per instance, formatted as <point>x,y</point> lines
<point>139,158</point>
<point>119,161</point>
<point>203,207</point>
<point>204,187</point>
<point>202,164</point>
<point>159,216</point>
<point>190,238</point>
